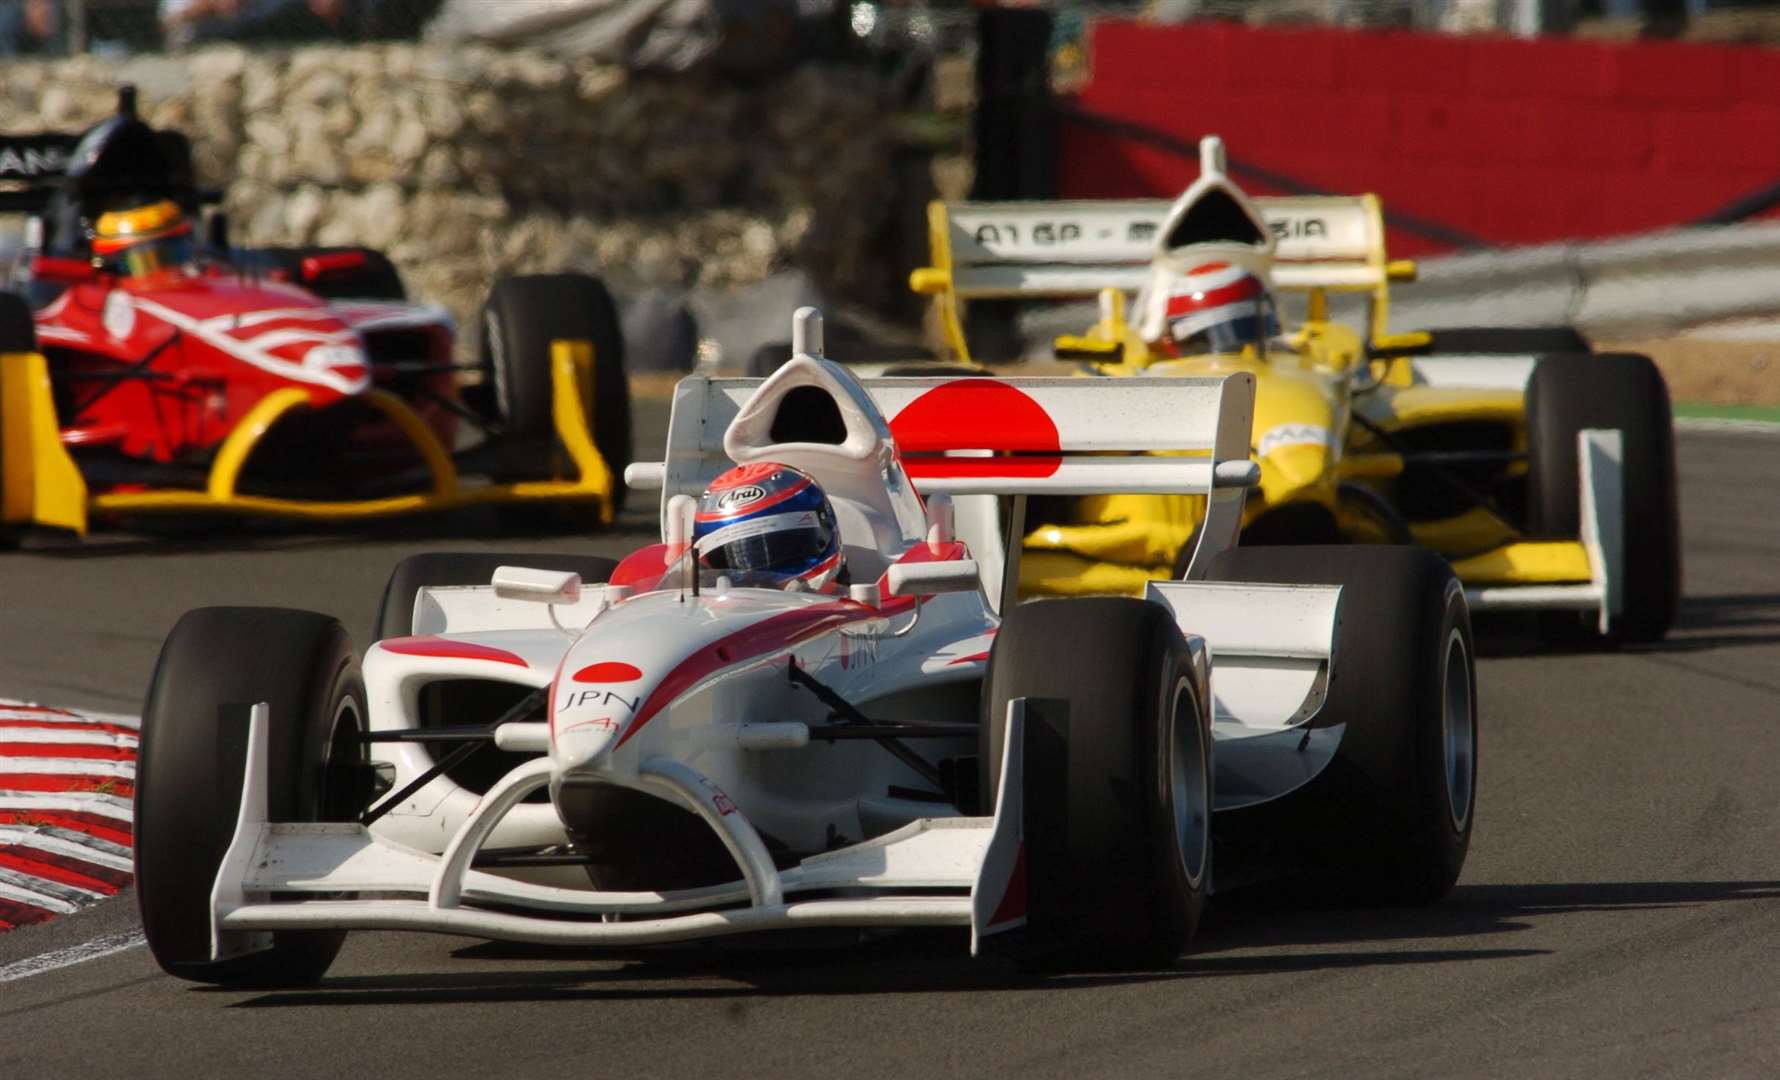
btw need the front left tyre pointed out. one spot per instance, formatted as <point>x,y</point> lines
<point>214,666</point>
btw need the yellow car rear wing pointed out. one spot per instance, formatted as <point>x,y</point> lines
<point>40,484</point>
<point>1004,250</point>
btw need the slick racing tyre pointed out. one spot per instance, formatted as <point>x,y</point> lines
<point>435,569</point>
<point>1507,340</point>
<point>522,317</point>
<point>1118,788</point>
<point>214,666</point>
<point>1389,820</point>
<point>377,279</point>
<point>1622,391</point>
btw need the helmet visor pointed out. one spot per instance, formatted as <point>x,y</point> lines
<point>153,256</point>
<point>1250,328</point>
<point>789,551</point>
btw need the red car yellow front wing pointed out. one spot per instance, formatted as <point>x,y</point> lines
<point>41,485</point>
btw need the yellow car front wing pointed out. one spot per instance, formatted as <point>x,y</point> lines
<point>40,484</point>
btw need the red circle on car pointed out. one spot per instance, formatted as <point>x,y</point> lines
<point>976,414</point>
<point>608,671</point>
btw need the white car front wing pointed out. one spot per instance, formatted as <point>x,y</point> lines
<point>977,856</point>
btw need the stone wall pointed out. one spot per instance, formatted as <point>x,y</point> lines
<point>467,163</point>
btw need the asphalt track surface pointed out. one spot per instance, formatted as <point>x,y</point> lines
<point>1619,914</point>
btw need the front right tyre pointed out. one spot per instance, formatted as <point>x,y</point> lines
<point>1118,788</point>
<point>215,665</point>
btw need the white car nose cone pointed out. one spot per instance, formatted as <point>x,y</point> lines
<point>582,738</point>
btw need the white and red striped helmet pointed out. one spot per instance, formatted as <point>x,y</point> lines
<point>1217,308</point>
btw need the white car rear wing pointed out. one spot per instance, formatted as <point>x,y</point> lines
<point>1014,436</point>
<point>1077,248</point>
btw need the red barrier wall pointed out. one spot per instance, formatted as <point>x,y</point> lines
<point>1512,141</point>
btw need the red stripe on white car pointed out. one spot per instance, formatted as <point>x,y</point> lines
<point>777,633</point>
<point>66,781</point>
<point>448,648</point>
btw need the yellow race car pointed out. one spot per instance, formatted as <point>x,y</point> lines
<point>1543,472</point>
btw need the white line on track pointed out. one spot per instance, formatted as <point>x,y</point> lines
<point>11,890</point>
<point>78,802</point>
<point>1715,426</point>
<point>13,709</point>
<point>95,949</point>
<point>69,767</point>
<point>64,737</point>
<point>38,840</point>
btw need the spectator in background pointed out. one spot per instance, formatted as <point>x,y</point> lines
<point>30,28</point>
<point>187,22</point>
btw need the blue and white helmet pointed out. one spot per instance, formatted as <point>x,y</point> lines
<point>768,524</point>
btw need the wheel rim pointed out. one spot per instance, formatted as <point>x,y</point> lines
<point>1189,784</point>
<point>344,751</point>
<point>1458,730</point>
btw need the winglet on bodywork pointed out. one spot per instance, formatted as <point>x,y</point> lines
<point>1272,646</point>
<point>998,897</point>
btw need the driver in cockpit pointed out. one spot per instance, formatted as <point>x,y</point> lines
<point>147,239</point>
<point>767,525</point>
<point>1216,309</point>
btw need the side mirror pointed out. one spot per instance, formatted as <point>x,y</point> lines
<point>335,264</point>
<point>929,578</point>
<point>537,586</point>
<point>1401,270</point>
<point>64,269</point>
<point>929,280</point>
<point>1398,344</point>
<point>1098,350</point>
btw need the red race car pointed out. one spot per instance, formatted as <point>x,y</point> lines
<point>147,368</point>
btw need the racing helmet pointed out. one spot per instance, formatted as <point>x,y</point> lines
<point>1217,308</point>
<point>767,524</point>
<point>146,239</point>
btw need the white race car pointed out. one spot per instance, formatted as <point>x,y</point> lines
<point>676,755</point>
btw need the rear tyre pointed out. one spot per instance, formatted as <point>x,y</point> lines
<point>1389,820</point>
<point>1118,802</point>
<point>1508,340</point>
<point>1623,391</point>
<point>522,317</point>
<point>215,664</point>
<point>435,569</point>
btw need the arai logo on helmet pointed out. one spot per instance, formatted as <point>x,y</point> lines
<point>741,496</point>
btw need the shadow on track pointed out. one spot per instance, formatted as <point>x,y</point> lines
<point>920,962</point>
<point>1262,918</point>
<point>1703,623</point>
